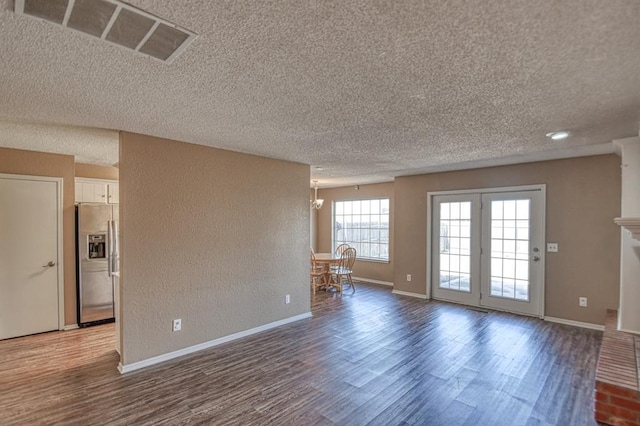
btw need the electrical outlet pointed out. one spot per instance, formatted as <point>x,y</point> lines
<point>287,299</point>
<point>552,247</point>
<point>582,301</point>
<point>408,277</point>
<point>177,324</point>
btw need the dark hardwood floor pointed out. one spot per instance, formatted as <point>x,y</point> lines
<point>365,358</point>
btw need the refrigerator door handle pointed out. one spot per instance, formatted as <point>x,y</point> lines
<point>115,244</point>
<point>109,246</point>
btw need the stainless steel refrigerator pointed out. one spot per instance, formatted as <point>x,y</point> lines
<point>98,258</point>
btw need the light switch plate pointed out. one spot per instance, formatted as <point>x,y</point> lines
<point>552,247</point>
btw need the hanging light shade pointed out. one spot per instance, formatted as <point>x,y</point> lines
<point>316,203</point>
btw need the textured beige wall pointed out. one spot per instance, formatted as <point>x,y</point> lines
<point>213,237</point>
<point>19,162</point>
<point>583,196</point>
<point>381,271</point>
<point>96,172</point>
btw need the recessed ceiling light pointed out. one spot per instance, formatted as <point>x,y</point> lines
<point>556,136</point>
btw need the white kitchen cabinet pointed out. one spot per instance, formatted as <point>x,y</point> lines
<point>79,192</point>
<point>113,193</point>
<point>97,191</point>
<point>89,192</point>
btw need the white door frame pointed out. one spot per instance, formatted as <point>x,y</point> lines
<point>543,192</point>
<point>59,234</point>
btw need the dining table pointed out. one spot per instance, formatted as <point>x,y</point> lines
<point>326,260</point>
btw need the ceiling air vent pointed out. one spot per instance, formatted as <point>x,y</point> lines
<point>115,22</point>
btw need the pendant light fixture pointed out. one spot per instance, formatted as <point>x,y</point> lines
<point>316,203</point>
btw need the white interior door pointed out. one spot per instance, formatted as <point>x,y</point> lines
<point>29,290</point>
<point>488,249</point>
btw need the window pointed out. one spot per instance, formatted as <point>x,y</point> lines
<point>364,225</point>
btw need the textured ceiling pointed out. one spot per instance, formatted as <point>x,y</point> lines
<point>92,146</point>
<point>367,90</point>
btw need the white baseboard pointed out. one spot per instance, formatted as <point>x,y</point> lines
<point>625,330</point>
<point>70,327</point>
<point>575,323</point>
<point>191,349</point>
<point>369,280</point>
<point>407,293</point>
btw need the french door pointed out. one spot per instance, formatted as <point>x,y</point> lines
<point>487,249</point>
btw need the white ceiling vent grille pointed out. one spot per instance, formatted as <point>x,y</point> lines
<point>113,21</point>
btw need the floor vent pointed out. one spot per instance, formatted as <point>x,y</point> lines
<point>115,22</point>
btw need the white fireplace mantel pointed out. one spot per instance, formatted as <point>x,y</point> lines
<point>631,224</point>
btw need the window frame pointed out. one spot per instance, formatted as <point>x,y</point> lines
<point>360,255</point>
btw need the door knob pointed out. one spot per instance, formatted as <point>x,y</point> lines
<point>536,258</point>
<point>50,264</point>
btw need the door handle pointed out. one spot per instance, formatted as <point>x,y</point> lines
<point>536,258</point>
<point>50,264</point>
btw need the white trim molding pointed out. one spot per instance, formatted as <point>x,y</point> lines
<point>94,180</point>
<point>629,331</point>
<point>369,280</point>
<point>211,343</point>
<point>575,323</point>
<point>408,293</point>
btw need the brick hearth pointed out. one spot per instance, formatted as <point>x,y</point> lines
<point>617,397</point>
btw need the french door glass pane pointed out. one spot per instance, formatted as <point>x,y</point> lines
<point>455,246</point>
<point>510,249</point>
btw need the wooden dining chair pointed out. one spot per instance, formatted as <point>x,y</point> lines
<point>317,274</point>
<point>342,274</point>
<point>341,248</point>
